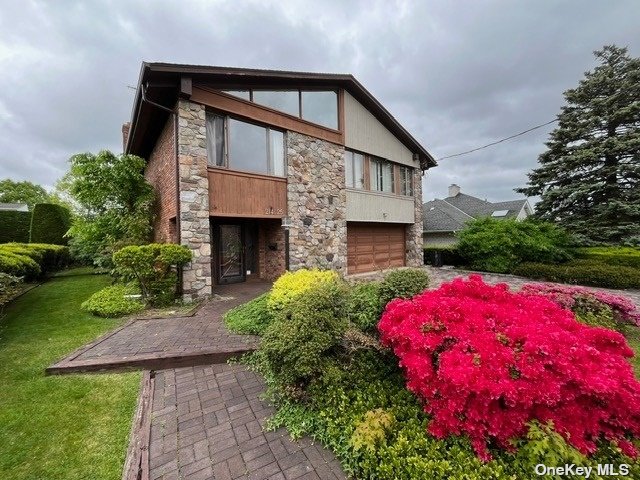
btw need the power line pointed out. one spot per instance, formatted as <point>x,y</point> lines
<point>499,141</point>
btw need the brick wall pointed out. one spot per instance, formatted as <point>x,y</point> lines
<point>161,173</point>
<point>271,263</point>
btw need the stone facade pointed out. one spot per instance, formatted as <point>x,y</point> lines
<point>316,200</point>
<point>195,229</point>
<point>414,241</point>
<point>161,173</point>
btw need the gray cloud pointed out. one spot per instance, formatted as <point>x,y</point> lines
<point>456,74</point>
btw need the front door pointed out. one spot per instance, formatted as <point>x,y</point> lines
<point>230,260</point>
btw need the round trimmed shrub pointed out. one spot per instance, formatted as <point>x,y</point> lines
<point>18,265</point>
<point>293,284</point>
<point>404,283</point>
<point>486,362</point>
<point>114,301</point>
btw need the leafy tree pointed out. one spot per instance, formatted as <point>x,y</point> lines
<point>114,202</point>
<point>588,179</point>
<point>22,192</point>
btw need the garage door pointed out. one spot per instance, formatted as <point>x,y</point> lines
<point>374,246</point>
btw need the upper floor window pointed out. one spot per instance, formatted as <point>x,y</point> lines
<point>354,169</point>
<point>244,146</point>
<point>381,175</point>
<point>316,106</point>
<point>406,181</point>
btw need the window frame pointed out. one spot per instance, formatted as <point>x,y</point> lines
<point>406,183</point>
<point>268,128</point>
<point>363,156</point>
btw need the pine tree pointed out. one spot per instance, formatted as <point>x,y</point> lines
<point>589,178</point>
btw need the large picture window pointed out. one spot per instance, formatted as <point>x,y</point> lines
<point>244,146</point>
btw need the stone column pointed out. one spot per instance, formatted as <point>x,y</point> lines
<point>316,200</point>
<point>195,230</point>
<point>414,232</point>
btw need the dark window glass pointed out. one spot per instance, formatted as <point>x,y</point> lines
<point>286,101</point>
<point>321,108</point>
<point>247,147</point>
<point>215,140</point>
<point>381,173</point>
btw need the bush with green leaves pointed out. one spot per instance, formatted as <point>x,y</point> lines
<point>32,260</point>
<point>114,301</point>
<point>154,269</point>
<point>300,340</point>
<point>363,305</point>
<point>360,409</point>
<point>251,318</point>
<point>403,283</point>
<point>492,245</point>
<point>49,224</point>
<point>9,287</point>
<point>623,256</point>
<point>582,272</point>
<point>14,226</point>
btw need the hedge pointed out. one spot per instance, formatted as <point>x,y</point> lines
<point>582,272</point>
<point>31,260</point>
<point>625,256</point>
<point>449,255</point>
<point>14,226</point>
<point>49,224</point>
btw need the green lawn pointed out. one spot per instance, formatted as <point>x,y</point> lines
<point>60,427</point>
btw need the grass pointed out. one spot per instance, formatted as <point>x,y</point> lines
<point>59,427</point>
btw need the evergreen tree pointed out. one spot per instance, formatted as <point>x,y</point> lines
<point>589,178</point>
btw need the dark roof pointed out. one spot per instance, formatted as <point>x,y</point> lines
<point>451,213</point>
<point>162,85</point>
<point>440,216</point>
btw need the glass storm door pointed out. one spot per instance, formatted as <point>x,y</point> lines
<point>230,254</point>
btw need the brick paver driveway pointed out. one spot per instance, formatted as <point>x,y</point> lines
<point>207,423</point>
<point>170,342</point>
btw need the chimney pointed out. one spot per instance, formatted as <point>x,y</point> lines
<point>454,190</point>
<point>125,135</point>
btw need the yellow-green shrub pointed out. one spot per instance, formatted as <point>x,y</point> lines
<point>293,284</point>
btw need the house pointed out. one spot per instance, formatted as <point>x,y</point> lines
<point>443,218</point>
<point>16,207</point>
<point>260,171</point>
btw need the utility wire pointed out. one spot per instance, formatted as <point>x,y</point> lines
<point>499,141</point>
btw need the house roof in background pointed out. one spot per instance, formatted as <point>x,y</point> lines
<point>19,207</point>
<point>162,84</point>
<point>451,213</point>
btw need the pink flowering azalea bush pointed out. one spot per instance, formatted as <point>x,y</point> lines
<point>577,299</point>
<point>486,361</point>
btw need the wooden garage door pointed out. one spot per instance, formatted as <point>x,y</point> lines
<point>374,246</point>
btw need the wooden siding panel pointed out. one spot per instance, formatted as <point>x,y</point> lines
<point>372,246</point>
<point>239,194</point>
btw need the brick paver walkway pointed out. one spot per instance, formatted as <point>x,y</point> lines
<point>441,275</point>
<point>170,342</point>
<point>207,423</point>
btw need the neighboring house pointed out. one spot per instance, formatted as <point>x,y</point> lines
<point>16,207</point>
<point>443,218</point>
<point>260,171</point>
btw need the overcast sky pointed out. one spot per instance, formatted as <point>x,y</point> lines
<point>457,74</point>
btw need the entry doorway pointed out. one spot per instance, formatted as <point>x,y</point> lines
<point>235,246</point>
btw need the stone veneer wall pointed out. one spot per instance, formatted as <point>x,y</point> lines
<point>161,173</point>
<point>316,200</point>
<point>414,240</point>
<point>194,199</point>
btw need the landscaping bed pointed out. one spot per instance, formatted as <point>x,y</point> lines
<point>73,427</point>
<point>375,405</point>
